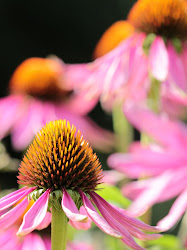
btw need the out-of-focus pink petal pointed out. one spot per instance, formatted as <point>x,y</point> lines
<point>9,240</point>
<point>70,208</point>
<point>97,219</point>
<point>150,195</point>
<point>11,216</point>
<point>177,210</point>
<point>46,221</point>
<point>12,198</point>
<point>10,112</point>
<point>35,215</point>
<point>78,246</point>
<point>137,84</point>
<point>145,162</point>
<point>33,241</point>
<point>30,123</point>
<point>112,177</point>
<point>47,242</point>
<point>176,68</point>
<point>158,58</point>
<point>80,102</point>
<point>169,133</point>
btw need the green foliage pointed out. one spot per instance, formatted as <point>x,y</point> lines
<point>113,194</point>
<point>167,242</point>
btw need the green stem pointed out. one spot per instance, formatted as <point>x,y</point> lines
<point>122,129</point>
<point>58,229</point>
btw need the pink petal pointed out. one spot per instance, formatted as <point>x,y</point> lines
<point>169,133</point>
<point>152,192</point>
<point>145,162</point>
<point>122,216</point>
<point>30,123</point>
<point>33,241</point>
<point>97,219</point>
<point>35,215</point>
<point>45,223</point>
<point>12,198</point>
<point>158,58</point>
<point>11,216</point>
<point>176,68</point>
<point>128,239</point>
<point>80,102</point>
<point>70,208</point>
<point>81,225</point>
<point>10,112</point>
<point>177,210</point>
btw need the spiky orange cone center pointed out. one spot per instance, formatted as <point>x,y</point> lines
<point>39,77</point>
<point>112,37</point>
<point>57,158</point>
<point>166,18</point>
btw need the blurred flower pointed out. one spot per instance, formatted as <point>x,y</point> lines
<point>146,49</point>
<point>163,164</point>
<point>39,93</point>
<point>60,168</point>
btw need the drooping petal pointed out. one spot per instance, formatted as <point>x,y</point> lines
<point>127,238</point>
<point>97,219</point>
<point>11,216</point>
<point>70,208</point>
<point>124,218</point>
<point>177,210</point>
<point>12,198</point>
<point>82,225</point>
<point>158,58</point>
<point>46,221</point>
<point>35,215</point>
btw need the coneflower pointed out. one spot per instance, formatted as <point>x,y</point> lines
<point>61,173</point>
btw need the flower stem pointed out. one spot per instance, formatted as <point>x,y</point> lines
<point>122,129</point>
<point>58,229</point>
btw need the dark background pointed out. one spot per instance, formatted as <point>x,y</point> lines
<point>69,29</point>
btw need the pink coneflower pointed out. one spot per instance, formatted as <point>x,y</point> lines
<point>163,163</point>
<point>135,55</point>
<point>61,172</point>
<point>38,94</point>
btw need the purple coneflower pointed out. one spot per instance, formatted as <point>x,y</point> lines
<point>136,55</point>
<point>61,173</point>
<point>39,93</point>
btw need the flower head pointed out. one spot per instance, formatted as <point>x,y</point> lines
<point>39,77</point>
<point>165,18</point>
<point>163,163</point>
<point>40,91</point>
<point>60,168</point>
<point>63,159</point>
